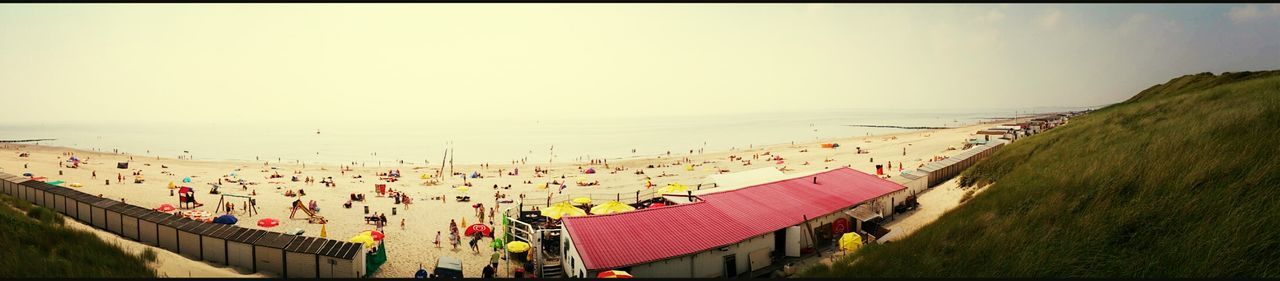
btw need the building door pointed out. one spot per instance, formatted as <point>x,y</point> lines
<point>731,266</point>
<point>780,242</point>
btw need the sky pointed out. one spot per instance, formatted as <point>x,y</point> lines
<point>462,62</point>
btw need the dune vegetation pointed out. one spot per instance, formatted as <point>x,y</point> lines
<point>35,243</point>
<point>1182,180</point>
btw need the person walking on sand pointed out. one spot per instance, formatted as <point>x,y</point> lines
<point>475,242</point>
<point>401,223</point>
<point>453,240</point>
<point>437,242</point>
<point>95,175</point>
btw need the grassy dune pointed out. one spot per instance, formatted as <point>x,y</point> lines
<point>1183,180</point>
<point>35,244</point>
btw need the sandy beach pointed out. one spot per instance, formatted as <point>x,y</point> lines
<point>412,245</point>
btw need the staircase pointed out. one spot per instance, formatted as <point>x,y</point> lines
<point>552,271</point>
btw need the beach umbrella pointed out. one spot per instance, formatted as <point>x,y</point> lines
<point>478,228</point>
<point>172,186</point>
<point>421,274</point>
<point>496,244</point>
<point>363,239</point>
<point>425,176</point>
<point>462,189</point>
<point>268,222</point>
<point>582,200</point>
<point>376,235</point>
<point>688,167</point>
<point>673,188</point>
<point>518,247</point>
<point>56,182</point>
<point>186,179</point>
<point>611,207</point>
<point>226,219</point>
<point>562,209</point>
<point>26,174</point>
<point>614,274</point>
<point>591,170</point>
<point>850,241</point>
<point>166,208</point>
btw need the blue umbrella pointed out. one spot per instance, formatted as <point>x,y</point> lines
<point>226,219</point>
<point>26,174</point>
<point>422,273</point>
<point>187,179</point>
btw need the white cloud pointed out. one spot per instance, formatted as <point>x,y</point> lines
<point>1050,20</point>
<point>1253,12</point>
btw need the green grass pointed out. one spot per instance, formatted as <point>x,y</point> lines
<point>1183,180</point>
<point>35,244</point>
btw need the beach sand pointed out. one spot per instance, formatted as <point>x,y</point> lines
<point>412,246</point>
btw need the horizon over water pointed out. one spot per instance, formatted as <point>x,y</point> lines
<point>489,141</point>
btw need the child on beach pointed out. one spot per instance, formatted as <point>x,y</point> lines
<point>437,242</point>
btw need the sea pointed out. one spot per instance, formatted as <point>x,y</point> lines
<point>532,140</point>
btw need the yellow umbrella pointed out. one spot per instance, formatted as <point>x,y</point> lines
<point>462,188</point>
<point>688,167</point>
<point>367,240</point>
<point>582,200</point>
<point>611,207</point>
<point>673,188</point>
<point>171,186</point>
<point>850,241</point>
<point>562,209</point>
<point>518,247</point>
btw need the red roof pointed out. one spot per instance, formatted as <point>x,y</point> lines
<point>722,218</point>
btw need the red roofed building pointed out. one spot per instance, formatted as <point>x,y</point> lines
<point>724,234</point>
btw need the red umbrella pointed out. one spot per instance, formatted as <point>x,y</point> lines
<point>377,235</point>
<point>268,222</point>
<point>480,228</point>
<point>166,208</point>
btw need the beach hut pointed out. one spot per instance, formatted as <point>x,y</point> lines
<point>268,252</point>
<point>115,217</point>
<point>130,216</point>
<point>59,197</point>
<point>189,243</point>
<point>214,242</point>
<point>240,252</point>
<point>84,210</point>
<point>5,181</point>
<point>302,257</point>
<point>341,259</point>
<point>149,227</point>
<point>167,233</point>
<point>34,192</point>
<point>98,210</point>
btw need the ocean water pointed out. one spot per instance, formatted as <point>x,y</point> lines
<point>494,141</point>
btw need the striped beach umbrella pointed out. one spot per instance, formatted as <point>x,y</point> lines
<point>614,274</point>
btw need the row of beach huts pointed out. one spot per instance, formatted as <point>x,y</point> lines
<point>249,250</point>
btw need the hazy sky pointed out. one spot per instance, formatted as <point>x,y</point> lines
<point>436,62</point>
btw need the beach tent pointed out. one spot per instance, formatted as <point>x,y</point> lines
<point>591,170</point>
